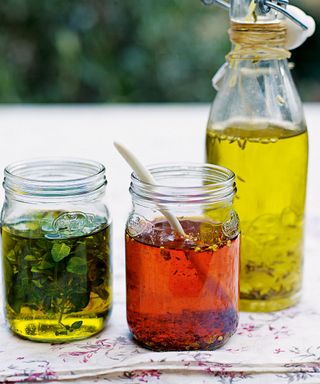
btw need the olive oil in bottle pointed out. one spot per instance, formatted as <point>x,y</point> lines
<point>257,129</point>
<point>270,162</point>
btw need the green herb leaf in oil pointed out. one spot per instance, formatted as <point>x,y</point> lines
<point>59,251</point>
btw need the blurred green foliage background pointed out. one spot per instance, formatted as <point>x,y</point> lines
<point>57,51</point>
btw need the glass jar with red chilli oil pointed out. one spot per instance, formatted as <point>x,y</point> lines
<point>183,291</point>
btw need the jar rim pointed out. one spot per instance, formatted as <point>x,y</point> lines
<point>11,168</point>
<point>54,176</point>
<point>216,183</point>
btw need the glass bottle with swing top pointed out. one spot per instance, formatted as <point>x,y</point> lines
<point>257,128</point>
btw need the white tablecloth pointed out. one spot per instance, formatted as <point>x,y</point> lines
<point>281,347</point>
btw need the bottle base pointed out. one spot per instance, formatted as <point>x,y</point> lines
<point>172,347</point>
<point>269,305</point>
<point>185,331</point>
<point>51,331</point>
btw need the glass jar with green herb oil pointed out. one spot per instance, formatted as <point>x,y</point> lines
<point>257,128</point>
<point>56,249</point>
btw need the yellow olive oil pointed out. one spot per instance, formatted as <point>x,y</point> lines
<point>57,285</point>
<point>270,162</point>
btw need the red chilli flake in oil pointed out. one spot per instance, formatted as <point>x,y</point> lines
<point>182,294</point>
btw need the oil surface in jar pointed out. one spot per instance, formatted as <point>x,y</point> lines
<point>270,162</point>
<point>182,294</point>
<point>57,287</point>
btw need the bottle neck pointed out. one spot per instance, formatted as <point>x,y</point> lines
<point>257,42</point>
<point>257,84</point>
<point>257,88</point>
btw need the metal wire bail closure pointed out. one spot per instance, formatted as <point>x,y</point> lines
<point>264,7</point>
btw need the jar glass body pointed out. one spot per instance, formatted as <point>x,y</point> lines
<point>182,292</point>
<point>257,128</point>
<point>56,249</point>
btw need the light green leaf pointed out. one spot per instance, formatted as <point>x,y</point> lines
<point>59,251</point>
<point>37,283</point>
<point>45,265</point>
<point>77,265</point>
<point>11,256</point>
<point>30,258</point>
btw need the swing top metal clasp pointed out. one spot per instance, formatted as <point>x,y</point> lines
<point>264,7</point>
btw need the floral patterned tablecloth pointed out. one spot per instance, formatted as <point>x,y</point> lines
<point>280,347</point>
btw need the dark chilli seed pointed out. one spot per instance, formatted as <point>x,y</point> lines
<point>165,254</point>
